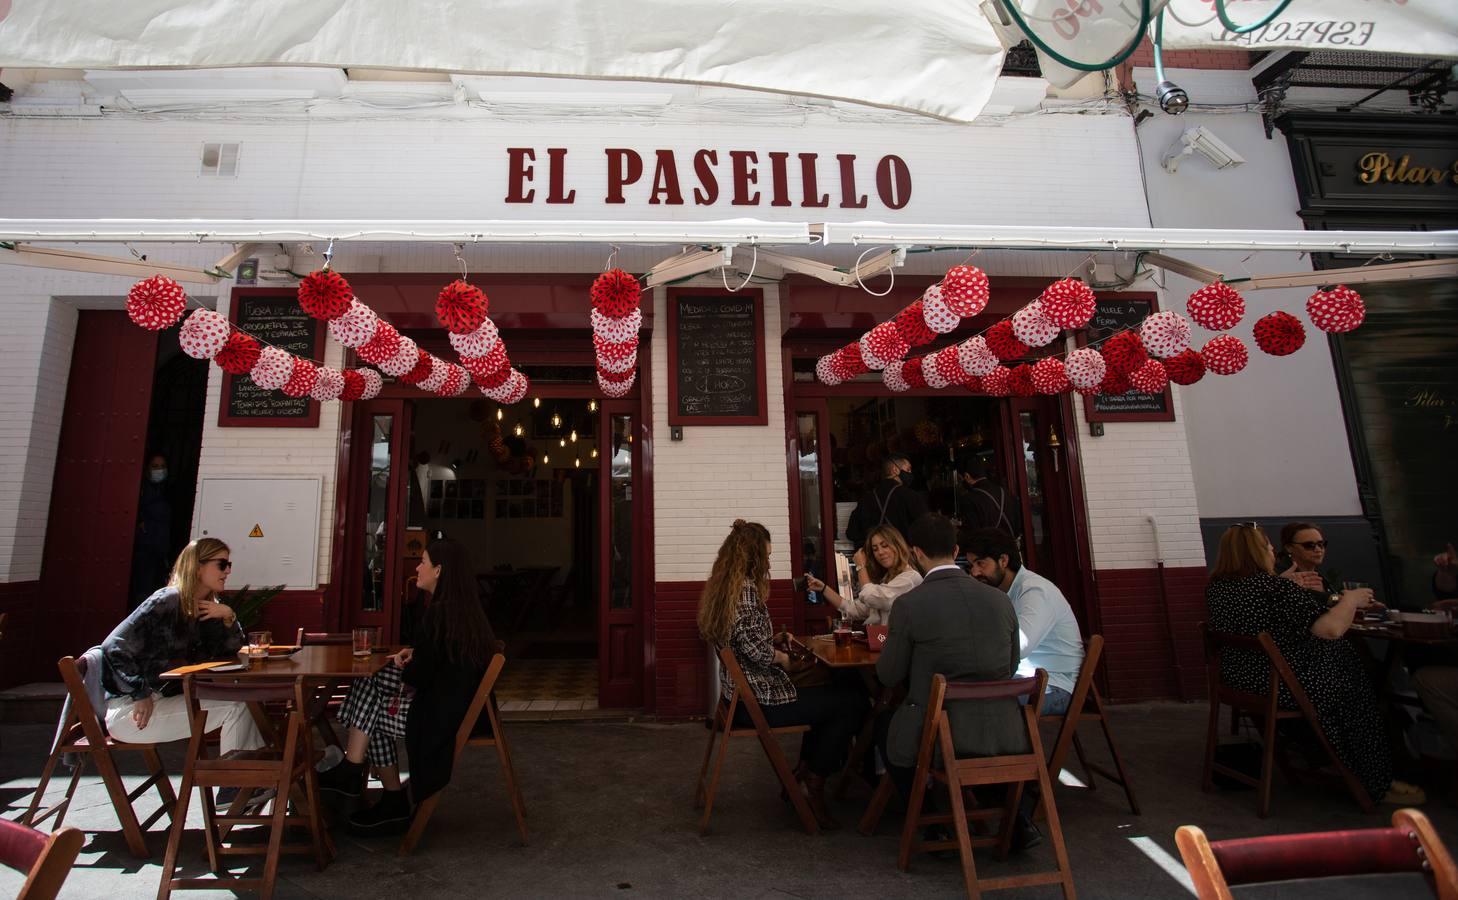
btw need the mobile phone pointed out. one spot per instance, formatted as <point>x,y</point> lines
<point>801,584</point>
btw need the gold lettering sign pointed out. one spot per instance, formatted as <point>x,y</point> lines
<point>1379,167</point>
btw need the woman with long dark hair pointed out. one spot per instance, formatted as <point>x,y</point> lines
<point>421,696</point>
<point>732,613</point>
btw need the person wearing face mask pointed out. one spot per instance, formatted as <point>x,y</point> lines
<point>885,573</point>
<point>984,503</point>
<point>1245,596</point>
<point>891,502</point>
<point>152,548</point>
<point>1304,546</point>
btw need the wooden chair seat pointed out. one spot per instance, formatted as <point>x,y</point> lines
<point>46,859</point>
<point>722,729</point>
<point>1086,704</point>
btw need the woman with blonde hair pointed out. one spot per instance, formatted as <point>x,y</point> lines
<point>183,621</point>
<point>885,572</point>
<point>1245,596</point>
<point>733,614</point>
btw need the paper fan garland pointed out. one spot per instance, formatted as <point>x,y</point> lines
<point>204,334</point>
<point>156,303</point>
<point>372,384</point>
<point>273,368</point>
<point>615,293</point>
<point>354,386</point>
<point>1003,343</point>
<point>461,307</point>
<point>948,364</point>
<point>617,330</point>
<point>1279,333</point>
<point>328,384</point>
<point>1123,353</point>
<point>424,365</point>
<point>482,366</point>
<point>883,344</point>
<point>615,388</point>
<point>239,354</point>
<point>997,383</point>
<point>1165,334</point>
<point>520,384</point>
<point>301,379</point>
<point>1216,306</point>
<point>848,359</point>
<point>616,376</point>
<point>912,327</point>
<point>1150,378</point>
<point>436,377</point>
<point>1224,354</point>
<point>1336,311</point>
<point>493,378</point>
<point>935,312</point>
<point>456,380</point>
<point>976,357</point>
<point>1085,369</point>
<point>477,342</point>
<point>1185,368</point>
<point>965,290</point>
<point>891,377</point>
<point>384,345</point>
<point>1049,376</point>
<point>404,359</point>
<point>826,371</point>
<point>912,374</point>
<point>356,327</point>
<point>514,388</point>
<point>1115,385</point>
<point>973,384</point>
<point>325,294</point>
<point>1020,381</point>
<point>929,372</point>
<point>1068,303</point>
<point>1031,327</point>
<point>618,363</point>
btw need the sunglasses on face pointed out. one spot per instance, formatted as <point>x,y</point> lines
<point>223,564</point>
<point>1311,545</point>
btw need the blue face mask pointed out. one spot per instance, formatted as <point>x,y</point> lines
<point>157,476</point>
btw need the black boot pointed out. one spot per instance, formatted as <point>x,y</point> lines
<point>391,815</point>
<point>344,780</point>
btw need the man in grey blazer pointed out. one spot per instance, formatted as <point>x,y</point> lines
<point>953,625</point>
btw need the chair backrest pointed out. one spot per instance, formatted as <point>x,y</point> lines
<point>324,638</point>
<point>1410,845</point>
<point>46,858</point>
<point>479,701</point>
<point>1217,642</point>
<point>943,691</point>
<point>73,675</point>
<point>743,693</point>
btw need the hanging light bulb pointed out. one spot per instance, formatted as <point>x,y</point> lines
<point>556,419</point>
<point>592,406</point>
<point>499,414</point>
<point>577,463</point>
<point>536,403</point>
<point>562,442</point>
<point>518,430</point>
<point>573,436</point>
<point>594,453</point>
<point>546,459</point>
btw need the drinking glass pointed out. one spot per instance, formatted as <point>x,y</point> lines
<point>259,642</point>
<point>842,632</point>
<point>364,641</point>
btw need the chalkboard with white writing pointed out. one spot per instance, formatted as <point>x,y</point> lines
<point>716,359</point>
<point>275,319</point>
<point>1112,315</point>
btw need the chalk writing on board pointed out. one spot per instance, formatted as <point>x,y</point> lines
<point>278,321</point>
<point>1112,316</point>
<point>718,357</point>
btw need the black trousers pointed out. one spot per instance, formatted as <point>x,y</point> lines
<point>834,715</point>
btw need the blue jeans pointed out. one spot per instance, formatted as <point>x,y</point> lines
<point>1055,701</point>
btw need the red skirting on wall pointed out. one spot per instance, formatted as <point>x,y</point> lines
<point>1138,661</point>
<point>681,686</point>
<point>20,661</point>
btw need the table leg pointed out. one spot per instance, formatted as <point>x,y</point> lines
<point>866,738</point>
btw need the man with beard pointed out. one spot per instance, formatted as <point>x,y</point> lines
<point>1048,635</point>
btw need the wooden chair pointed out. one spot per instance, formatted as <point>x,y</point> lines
<point>1410,845</point>
<point>1264,709</point>
<point>723,725</point>
<point>959,774</point>
<point>45,858</point>
<point>483,701</point>
<point>327,697</point>
<point>288,770</point>
<point>1086,704</point>
<point>304,638</point>
<point>82,733</point>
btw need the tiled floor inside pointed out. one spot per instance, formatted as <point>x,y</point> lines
<point>549,689</point>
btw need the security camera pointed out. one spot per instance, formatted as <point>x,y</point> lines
<point>1204,142</point>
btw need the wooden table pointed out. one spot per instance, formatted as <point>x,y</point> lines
<point>855,655</point>
<point>332,662</point>
<point>1398,640</point>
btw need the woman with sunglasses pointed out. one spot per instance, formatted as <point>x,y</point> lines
<point>183,621</point>
<point>1304,548</point>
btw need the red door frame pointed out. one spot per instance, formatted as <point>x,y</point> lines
<point>820,408</point>
<point>619,674</point>
<point>351,577</point>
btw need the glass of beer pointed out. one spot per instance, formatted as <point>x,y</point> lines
<point>364,641</point>
<point>258,643</point>
<point>842,632</point>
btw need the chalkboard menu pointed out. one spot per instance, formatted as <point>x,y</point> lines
<point>274,318</point>
<point>716,358</point>
<point>1112,315</point>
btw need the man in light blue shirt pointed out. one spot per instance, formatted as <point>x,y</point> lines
<point>1048,634</point>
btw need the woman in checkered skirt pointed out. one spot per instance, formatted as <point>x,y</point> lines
<point>422,696</point>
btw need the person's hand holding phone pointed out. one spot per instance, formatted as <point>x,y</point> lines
<point>813,583</point>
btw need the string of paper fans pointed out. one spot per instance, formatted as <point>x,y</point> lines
<point>617,316</point>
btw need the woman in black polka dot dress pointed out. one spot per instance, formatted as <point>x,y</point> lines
<point>1246,597</point>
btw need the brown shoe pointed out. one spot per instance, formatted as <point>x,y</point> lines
<point>815,795</point>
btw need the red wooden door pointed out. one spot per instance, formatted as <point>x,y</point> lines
<point>374,581</point>
<point>620,580</point>
<point>86,566</point>
<point>1036,435</point>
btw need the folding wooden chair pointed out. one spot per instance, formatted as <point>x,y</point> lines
<point>723,724</point>
<point>959,774</point>
<point>328,697</point>
<point>45,858</point>
<point>1087,704</point>
<point>483,701</point>
<point>82,733</point>
<point>1410,845</point>
<point>288,770</point>
<point>1263,709</point>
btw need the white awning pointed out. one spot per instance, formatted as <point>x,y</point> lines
<point>1415,27</point>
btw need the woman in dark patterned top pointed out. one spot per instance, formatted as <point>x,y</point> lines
<point>1246,597</point>
<point>183,621</point>
<point>732,613</point>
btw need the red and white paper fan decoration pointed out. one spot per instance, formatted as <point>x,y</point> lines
<point>1124,352</point>
<point>1165,334</point>
<point>204,334</point>
<point>912,374</point>
<point>356,326</point>
<point>329,384</point>
<point>997,383</point>
<point>1085,369</point>
<point>912,327</point>
<point>1185,368</point>
<point>617,330</point>
<point>614,388</point>
<point>457,380</point>
<point>848,360</point>
<point>372,384</point>
<point>975,357</point>
<point>354,385</point>
<point>1031,327</point>
<point>1049,376</point>
<point>616,357</point>
<point>404,359</point>
<point>273,368</point>
<point>383,346</point>
<point>1003,343</point>
<point>826,370</point>
<point>1150,378</point>
<point>948,367</point>
<point>1336,311</point>
<point>615,293</point>
<point>482,367</point>
<point>965,290</point>
<point>1224,354</point>
<point>461,307</point>
<point>883,345</point>
<point>301,379</point>
<point>1216,306</point>
<point>515,387</point>
<point>927,365</point>
<point>1279,333</point>
<point>436,378</point>
<point>156,303</point>
<point>477,342</point>
<point>1020,380</point>
<point>239,354</point>
<point>325,294</point>
<point>935,312</point>
<point>1115,385</point>
<point>491,379</point>
<point>1068,303</point>
<point>424,365</point>
<point>893,378</point>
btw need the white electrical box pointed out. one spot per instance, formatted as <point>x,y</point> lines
<point>270,524</point>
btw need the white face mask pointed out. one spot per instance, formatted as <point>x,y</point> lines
<point>157,475</point>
